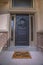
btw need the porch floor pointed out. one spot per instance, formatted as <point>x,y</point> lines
<point>6,56</point>
<point>6,59</point>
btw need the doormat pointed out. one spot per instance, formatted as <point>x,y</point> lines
<point>21,55</point>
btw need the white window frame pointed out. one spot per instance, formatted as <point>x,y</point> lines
<point>32,43</point>
<point>18,8</point>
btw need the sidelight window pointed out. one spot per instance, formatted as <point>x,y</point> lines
<point>12,27</point>
<point>31,28</point>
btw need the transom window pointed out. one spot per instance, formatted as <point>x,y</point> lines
<point>22,3</point>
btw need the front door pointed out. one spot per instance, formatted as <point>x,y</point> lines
<point>22,30</point>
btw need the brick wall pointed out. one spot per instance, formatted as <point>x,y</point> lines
<point>40,40</point>
<point>3,39</point>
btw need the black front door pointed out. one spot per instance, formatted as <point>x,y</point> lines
<point>22,30</point>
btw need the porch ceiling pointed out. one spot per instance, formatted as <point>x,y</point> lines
<point>3,1</point>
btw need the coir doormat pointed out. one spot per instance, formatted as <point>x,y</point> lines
<point>21,55</point>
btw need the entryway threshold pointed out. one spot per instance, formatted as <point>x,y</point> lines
<point>22,48</point>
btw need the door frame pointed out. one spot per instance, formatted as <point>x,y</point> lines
<point>13,30</point>
<point>31,43</point>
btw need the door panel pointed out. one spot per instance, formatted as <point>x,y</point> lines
<point>22,30</point>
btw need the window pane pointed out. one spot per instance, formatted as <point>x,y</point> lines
<point>31,28</point>
<point>22,3</point>
<point>12,27</point>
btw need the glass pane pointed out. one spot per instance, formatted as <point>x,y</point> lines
<point>12,27</point>
<point>31,28</point>
<point>22,3</point>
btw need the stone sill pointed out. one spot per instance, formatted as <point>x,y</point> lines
<point>3,31</point>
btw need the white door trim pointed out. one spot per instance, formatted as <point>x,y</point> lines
<point>31,43</point>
